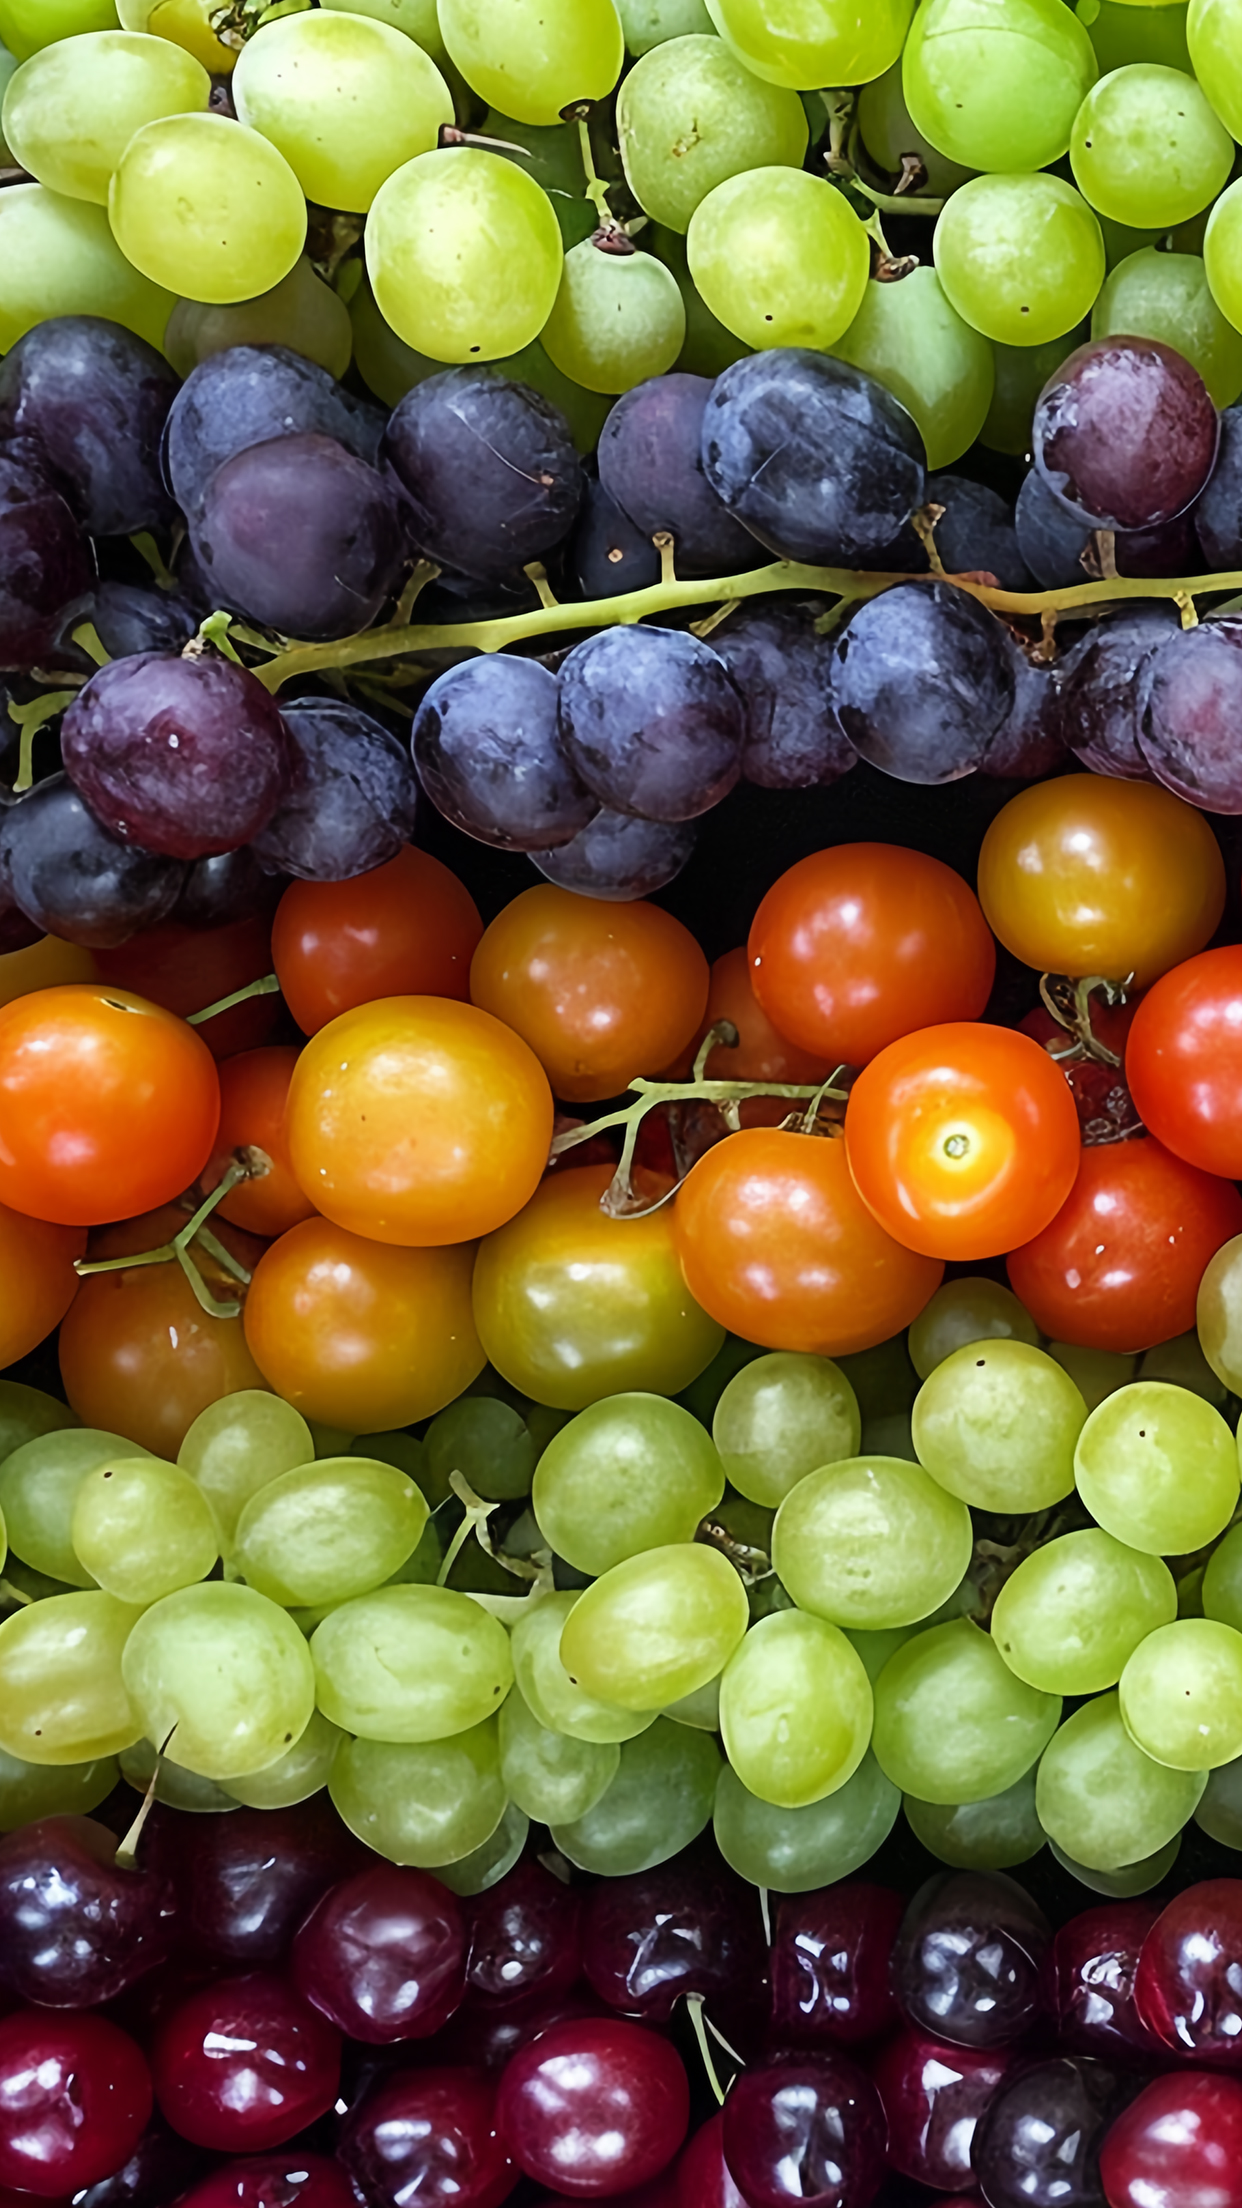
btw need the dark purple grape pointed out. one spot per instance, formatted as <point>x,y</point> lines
<point>1038,2145</point>
<point>524,1937</point>
<point>300,535</point>
<point>975,535</point>
<point>489,470</point>
<point>92,399</point>
<point>231,885</point>
<point>652,722</point>
<point>17,933</point>
<point>814,457</point>
<point>44,562</point>
<point>183,756</point>
<point>968,1958</point>
<point>1054,540</point>
<point>161,2168</point>
<point>489,754</point>
<point>246,1878</point>
<point>829,1964</point>
<point>808,2128</point>
<point>617,858</point>
<point>247,395</point>
<point>73,879</point>
<point>383,1955</point>
<point>1097,708</point>
<point>1027,743</point>
<point>1125,433</point>
<point>783,670</point>
<point>609,553</point>
<point>74,1928</point>
<point>1094,1964</point>
<point>1218,512</point>
<point>922,680</point>
<point>691,1926</point>
<point>126,619</point>
<point>352,800</point>
<point>1190,714</point>
<point>651,463</point>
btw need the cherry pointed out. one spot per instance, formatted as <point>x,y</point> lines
<point>1091,1980</point>
<point>934,2097</point>
<point>594,2107</point>
<point>383,1956</point>
<point>690,1926</point>
<point>247,1877</point>
<point>968,1958</point>
<point>1188,1986</point>
<point>524,1936</point>
<point>807,2127</point>
<point>244,2064</point>
<point>1038,2145</point>
<point>703,2179</point>
<point>427,2139</point>
<point>75,2096</point>
<point>289,2180</point>
<point>829,1963</point>
<point>1179,2145</point>
<point>161,2168</point>
<point>74,1928</point>
<point>488,2037</point>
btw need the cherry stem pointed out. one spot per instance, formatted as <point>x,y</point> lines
<point>127,1853</point>
<point>694,2009</point>
<point>250,1164</point>
<point>268,986</point>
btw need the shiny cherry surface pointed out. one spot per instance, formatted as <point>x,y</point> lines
<point>934,2096</point>
<point>524,1936</point>
<point>161,2168</point>
<point>690,1926</point>
<point>288,2180</point>
<point>595,2107</point>
<point>829,1964</point>
<point>1038,2145</point>
<point>383,1955</point>
<point>246,1878</point>
<point>810,2128</point>
<point>1091,1979</point>
<point>485,2036</point>
<point>1188,1986</point>
<point>703,2176</point>
<point>75,1929</point>
<point>968,1958</point>
<point>427,2139</point>
<point>1179,2145</point>
<point>244,2064</point>
<point>75,2096</point>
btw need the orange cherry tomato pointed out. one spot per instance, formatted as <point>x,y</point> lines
<point>37,1280</point>
<point>358,1334</point>
<point>108,1104</point>
<point>599,991</point>
<point>47,964</point>
<point>254,1089</point>
<point>856,946</point>
<point>186,969</point>
<point>963,1140</point>
<point>1089,874</point>
<point>407,929</point>
<point>776,1243</point>
<point>418,1120</point>
<point>761,1053</point>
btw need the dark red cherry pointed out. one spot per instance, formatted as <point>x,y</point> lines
<point>486,2037</point>
<point>75,2096</point>
<point>808,2128</point>
<point>383,1956</point>
<point>690,1926</point>
<point>524,1936</point>
<point>75,1929</point>
<point>1038,2145</point>
<point>934,2096</point>
<point>1179,2145</point>
<point>1188,1986</point>
<point>703,2178</point>
<point>161,2168</point>
<point>288,2180</point>
<point>595,2107</point>
<point>969,1956</point>
<point>659,2192</point>
<point>244,2064</point>
<point>427,2139</point>
<point>829,1964</point>
<point>1091,1980</point>
<point>246,1878</point>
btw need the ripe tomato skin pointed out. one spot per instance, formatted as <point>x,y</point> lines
<point>186,969</point>
<point>1092,875</point>
<point>361,1335</point>
<point>418,1120</point>
<point>858,945</point>
<point>1184,1061</point>
<point>572,1305</point>
<point>1120,1265</point>
<point>108,1104</point>
<point>407,929</point>
<point>37,1280</point>
<point>991,1095</point>
<point>777,1244</point>
<point>254,1089</point>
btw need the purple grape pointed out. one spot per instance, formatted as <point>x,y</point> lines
<point>609,553</point>
<point>1096,712</point>
<point>1038,2145</point>
<point>74,1928</point>
<point>73,879</point>
<point>1053,541</point>
<point>1125,433</point>
<point>352,800</point>
<point>300,535</point>
<point>489,755</point>
<point>651,463</point>
<point>814,457</point>
<point>182,756</point>
<point>92,400</point>
<point>17,933</point>
<point>246,396</point>
<point>975,535</point>
<point>617,858</point>
<point>1190,714</point>
<point>126,619</point>
<point>966,1963</point>
<point>44,561</point>
<point>1027,743</point>
<point>652,722</point>
<point>922,680</point>
<point>490,473</point>
<point>230,885</point>
<point>1218,511</point>
<point>783,669</point>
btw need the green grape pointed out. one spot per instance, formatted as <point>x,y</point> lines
<point>26,1413</point>
<point>795,1709</point>
<point>1181,1694</point>
<point>1071,1616</point>
<point>1222,256</point>
<point>1020,257</point>
<point>1104,1802</point>
<point>888,133</point>
<point>237,1445</point>
<point>425,1803</point>
<point>142,1528</point>
<point>330,1530</point>
<point>556,1700</point>
<point>1134,1878</point>
<point>780,257</point>
<point>780,1417</point>
<point>690,115</point>
<point>28,25</point>
<point>487,1865</point>
<point>1021,373</point>
<point>659,1801</point>
<point>889,1437</point>
<point>410,1663</point>
<point>531,58</point>
<point>300,1772</point>
<point>345,99</point>
<point>708,350</point>
<point>700,1709</point>
<point>617,319</point>
<point>39,1485</point>
<point>996,84</point>
<point>464,255</point>
<point>1122,32</point>
<point>186,23</point>
<point>329,1441</point>
<point>1222,1581</point>
<point>301,312</point>
<point>1182,1360</point>
<point>816,42</point>
<point>992,1835</point>
<point>176,1788</point>
<point>883,1378</point>
<point>1094,1372</point>
<point>632,1472</point>
<point>1147,148</point>
<point>1219,1813</point>
<point>392,368</point>
<point>551,1776</point>
<point>965,1311</point>
<point>221,1679</point>
<point>487,1442</point>
<point>952,1722</point>
<point>1190,1594</point>
<point>404,1450</point>
<point>208,208</point>
<point>1214,41</point>
<point>871,1542</point>
<point>62,1695</point>
<point>793,1851</point>
<point>1218,1314</point>
<point>1157,1467</point>
<point>996,1424</point>
<point>655,1627</point>
<point>648,23</point>
<point>9,66</point>
<point>60,257</point>
<point>416,18</point>
<point>553,157</point>
<point>29,1791</point>
<point>876,1648</point>
<point>26,1581</point>
<point>72,109</point>
<point>911,340</point>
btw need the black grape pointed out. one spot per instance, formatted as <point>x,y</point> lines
<point>1097,692</point>
<point>44,561</point>
<point>1218,511</point>
<point>783,670</point>
<point>817,459</point>
<point>618,858</point>
<point>489,754</point>
<point>975,535</point>
<point>1052,541</point>
<point>126,619</point>
<point>1190,714</point>
<point>300,535</point>
<point>609,553</point>
<point>1028,742</point>
<point>74,880</point>
<point>652,722</point>
<point>1125,433</point>
<point>651,463</point>
<point>230,885</point>
<point>922,680</point>
<point>351,801</point>
<point>92,400</point>
<point>247,395</point>
<point>489,470</point>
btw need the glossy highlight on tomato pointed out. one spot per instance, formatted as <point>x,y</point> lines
<point>408,928</point>
<point>1184,1061</point>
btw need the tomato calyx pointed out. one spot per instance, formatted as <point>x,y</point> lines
<point>1083,1024</point>
<point>1069,1003</point>
<point>247,1164</point>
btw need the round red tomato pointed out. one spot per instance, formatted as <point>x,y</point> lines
<point>1184,1061</point>
<point>186,969</point>
<point>407,929</point>
<point>254,1090</point>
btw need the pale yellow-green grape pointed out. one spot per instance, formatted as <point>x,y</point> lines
<point>1094,1372</point>
<point>1181,1694</point>
<point>781,1417</point>
<point>1182,1360</point>
<point>59,257</point>
<point>329,1530</point>
<point>630,1473</point>
<point>464,255</point>
<point>29,1791</point>
<point>1214,37</point>
<point>700,1709</point>
<point>70,111</point>
<point>1021,373</point>
<point>911,340</point>
<point>816,42</point>
<point>1020,257</point>
<point>410,1664</point>
<point>1222,1581</point>
<point>888,133</point>
<point>1218,1312</point>
<point>555,1699</point>
<point>208,208</point>
<point>690,115</point>
<point>795,1709</point>
<point>237,1445</point>
<point>486,1865</point>
<point>617,318</point>
<point>1147,148</point>
<point>963,1311</point>
<point>648,23</point>
<point>62,1695</point>
<point>871,1542</point>
<point>27,25</point>
<point>952,1722</point>
<point>1222,255</point>
<point>708,348</point>
<point>391,368</point>
<point>143,1528</point>
<point>780,257</point>
<point>1122,31</point>
<point>1220,1809</point>
<point>345,99</point>
<point>1134,1878</point>
<point>487,1441</point>
<point>300,1772</point>
<point>25,1413</point>
<point>186,23</point>
<point>875,1648</point>
<point>996,84</point>
<point>992,1835</point>
<point>793,1851</point>
<point>1101,1799</point>
<point>659,1801</point>
<point>416,18</point>
<point>531,58</point>
<point>1158,1467</point>
<point>39,1486</point>
<point>656,1627</point>
<point>301,312</point>
<point>221,1679</point>
<point>1071,1616</point>
<point>427,1802</point>
<point>173,1785</point>
<point>551,1776</point>
<point>996,1424</point>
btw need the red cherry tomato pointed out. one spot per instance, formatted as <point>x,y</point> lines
<point>1102,1099</point>
<point>254,1090</point>
<point>761,1053</point>
<point>186,969</point>
<point>407,929</point>
<point>963,1140</point>
<point>37,1280</point>
<point>1184,1061</point>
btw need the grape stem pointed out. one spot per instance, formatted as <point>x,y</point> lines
<point>31,719</point>
<point>267,986</point>
<point>249,1164</point>
<point>1069,1003</point>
